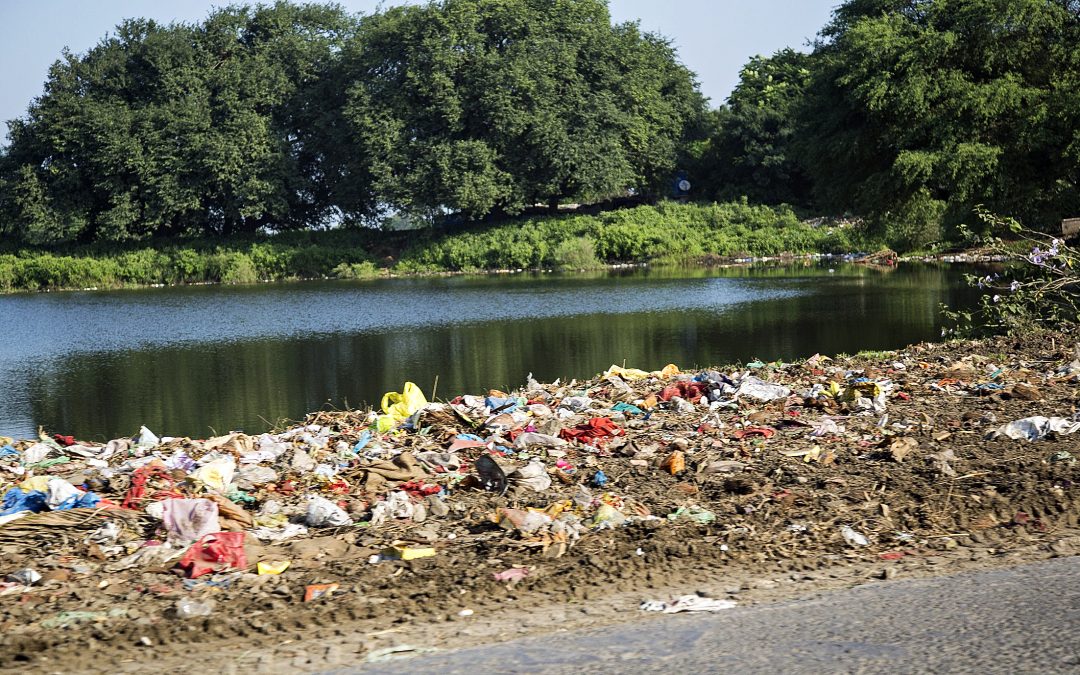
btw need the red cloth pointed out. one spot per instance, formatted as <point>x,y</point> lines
<point>691,391</point>
<point>136,494</point>
<point>66,441</point>
<point>754,431</point>
<point>418,488</point>
<point>214,553</point>
<point>595,432</point>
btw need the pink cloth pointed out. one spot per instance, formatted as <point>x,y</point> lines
<point>215,553</point>
<point>189,520</point>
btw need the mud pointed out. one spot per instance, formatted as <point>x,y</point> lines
<point>945,499</point>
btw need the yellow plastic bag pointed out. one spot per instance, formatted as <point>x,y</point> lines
<point>39,483</point>
<point>272,567</point>
<point>625,373</point>
<point>670,370</point>
<point>632,374</point>
<point>216,474</point>
<point>399,406</point>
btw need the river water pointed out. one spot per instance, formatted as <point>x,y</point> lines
<point>194,361</point>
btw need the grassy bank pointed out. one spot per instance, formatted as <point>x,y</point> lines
<point>667,232</point>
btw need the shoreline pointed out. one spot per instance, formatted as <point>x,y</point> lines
<point>707,262</point>
<point>773,492</point>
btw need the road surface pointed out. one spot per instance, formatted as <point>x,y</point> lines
<point>1019,620</point>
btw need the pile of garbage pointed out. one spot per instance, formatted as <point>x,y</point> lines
<point>761,461</point>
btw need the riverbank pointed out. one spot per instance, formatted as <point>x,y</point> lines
<point>564,506</point>
<point>665,233</point>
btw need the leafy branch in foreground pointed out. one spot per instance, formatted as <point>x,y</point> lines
<point>1041,289</point>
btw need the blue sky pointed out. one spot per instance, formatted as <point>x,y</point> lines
<point>714,37</point>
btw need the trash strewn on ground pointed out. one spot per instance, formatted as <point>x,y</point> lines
<point>406,508</point>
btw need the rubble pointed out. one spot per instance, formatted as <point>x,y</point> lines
<point>797,463</point>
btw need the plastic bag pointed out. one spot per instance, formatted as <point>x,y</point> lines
<point>322,512</point>
<point>60,491</point>
<point>533,475</point>
<point>188,520</point>
<point>252,476</point>
<point>1036,428</point>
<point>492,477</point>
<point>35,453</point>
<point>761,390</point>
<point>215,553</point>
<point>398,407</point>
<point>147,438</point>
<point>531,438</point>
<point>216,474</point>
<point>15,500</point>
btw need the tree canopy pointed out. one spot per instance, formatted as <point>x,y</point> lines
<point>906,112</point>
<point>921,109</point>
<point>749,152</point>
<point>289,115</point>
<point>177,130</point>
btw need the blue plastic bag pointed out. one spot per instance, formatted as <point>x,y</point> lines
<point>16,500</point>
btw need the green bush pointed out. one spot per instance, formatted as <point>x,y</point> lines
<point>1040,290</point>
<point>667,232</point>
<point>361,270</point>
<point>578,253</point>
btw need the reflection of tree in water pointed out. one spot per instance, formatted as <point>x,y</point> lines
<point>201,389</point>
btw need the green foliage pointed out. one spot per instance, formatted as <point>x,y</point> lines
<point>177,130</point>
<point>269,118</point>
<point>669,231</point>
<point>362,270</point>
<point>928,106</point>
<point>578,253</point>
<point>1042,290</point>
<point>748,152</point>
<point>482,106</point>
<point>912,224</point>
<point>289,117</point>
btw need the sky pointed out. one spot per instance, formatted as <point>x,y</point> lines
<point>714,38</point>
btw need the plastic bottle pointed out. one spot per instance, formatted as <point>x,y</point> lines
<point>189,608</point>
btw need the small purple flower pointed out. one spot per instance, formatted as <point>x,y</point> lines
<point>997,298</point>
<point>1014,286</point>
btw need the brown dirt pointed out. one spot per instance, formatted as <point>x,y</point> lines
<point>777,531</point>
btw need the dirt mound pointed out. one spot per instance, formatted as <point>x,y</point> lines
<point>744,478</point>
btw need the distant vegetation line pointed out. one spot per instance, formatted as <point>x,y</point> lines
<point>666,233</point>
<point>292,117</point>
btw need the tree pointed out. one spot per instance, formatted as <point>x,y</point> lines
<point>920,109</point>
<point>748,153</point>
<point>481,106</point>
<point>177,130</point>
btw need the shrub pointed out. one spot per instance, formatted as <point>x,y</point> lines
<point>578,253</point>
<point>361,270</point>
<point>1042,290</point>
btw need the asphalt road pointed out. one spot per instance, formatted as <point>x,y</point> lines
<point>1020,620</point>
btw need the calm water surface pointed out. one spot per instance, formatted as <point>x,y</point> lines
<point>192,361</point>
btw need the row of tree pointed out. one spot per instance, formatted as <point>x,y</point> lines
<point>910,113</point>
<point>907,112</point>
<point>290,116</point>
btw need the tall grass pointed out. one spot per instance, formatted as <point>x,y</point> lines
<point>667,232</point>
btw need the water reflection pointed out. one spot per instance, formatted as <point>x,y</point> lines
<point>224,358</point>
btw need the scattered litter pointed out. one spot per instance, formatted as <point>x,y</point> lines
<point>1036,428</point>
<point>854,537</point>
<point>316,591</point>
<point>631,467</point>
<point>688,603</point>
